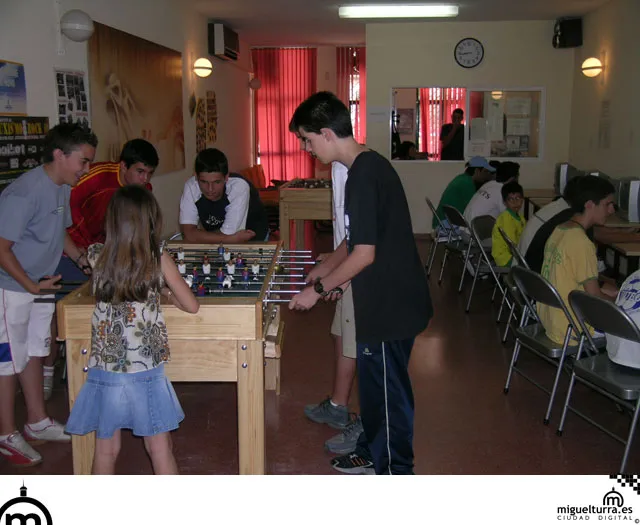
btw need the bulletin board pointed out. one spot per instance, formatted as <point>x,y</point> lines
<point>508,123</point>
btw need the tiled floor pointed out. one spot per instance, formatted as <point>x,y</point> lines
<point>464,423</point>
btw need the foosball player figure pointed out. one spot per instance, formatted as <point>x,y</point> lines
<point>227,255</point>
<point>220,275</point>
<point>255,270</point>
<point>221,250</point>
<point>206,267</point>
<point>180,254</point>
<point>231,267</point>
<point>245,274</point>
<point>201,290</point>
<point>182,267</point>
<point>228,282</point>
<point>239,260</point>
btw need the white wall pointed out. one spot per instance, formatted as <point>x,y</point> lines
<point>28,35</point>
<point>517,54</point>
<point>608,34</point>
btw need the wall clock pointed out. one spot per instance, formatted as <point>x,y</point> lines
<point>469,52</point>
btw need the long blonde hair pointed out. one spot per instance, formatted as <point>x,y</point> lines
<point>128,267</point>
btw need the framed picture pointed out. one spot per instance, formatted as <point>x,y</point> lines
<point>406,121</point>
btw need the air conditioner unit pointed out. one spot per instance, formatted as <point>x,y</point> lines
<point>223,42</point>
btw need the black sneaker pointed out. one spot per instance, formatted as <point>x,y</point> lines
<point>353,464</point>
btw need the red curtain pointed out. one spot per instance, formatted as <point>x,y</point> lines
<point>436,106</point>
<point>351,78</point>
<point>288,77</point>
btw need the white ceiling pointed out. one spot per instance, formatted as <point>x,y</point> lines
<point>316,22</point>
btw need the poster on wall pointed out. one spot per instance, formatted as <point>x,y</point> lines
<point>13,89</point>
<point>406,121</point>
<point>212,117</point>
<point>21,144</point>
<point>201,126</point>
<point>73,103</point>
<point>136,92</point>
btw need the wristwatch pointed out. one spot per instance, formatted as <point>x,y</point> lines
<point>317,286</point>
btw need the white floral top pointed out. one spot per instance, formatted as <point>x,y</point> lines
<point>128,337</point>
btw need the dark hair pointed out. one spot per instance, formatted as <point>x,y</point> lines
<point>470,170</point>
<point>129,267</point>
<point>458,110</point>
<point>67,137</point>
<point>139,150</point>
<point>322,110</point>
<point>404,148</point>
<point>509,188</point>
<point>587,188</point>
<point>507,170</point>
<point>571,189</point>
<point>494,164</point>
<point>211,160</point>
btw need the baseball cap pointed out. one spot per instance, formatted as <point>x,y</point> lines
<point>481,162</point>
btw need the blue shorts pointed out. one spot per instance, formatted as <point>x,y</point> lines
<point>143,402</point>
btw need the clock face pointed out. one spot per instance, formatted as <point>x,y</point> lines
<point>469,52</point>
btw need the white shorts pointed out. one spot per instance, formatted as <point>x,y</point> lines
<point>344,324</point>
<point>25,330</point>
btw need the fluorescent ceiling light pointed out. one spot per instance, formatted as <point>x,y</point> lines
<point>397,11</point>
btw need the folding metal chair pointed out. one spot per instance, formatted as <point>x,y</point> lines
<point>439,236</point>
<point>457,244</point>
<point>509,285</point>
<point>595,370</point>
<point>534,287</point>
<point>481,230</point>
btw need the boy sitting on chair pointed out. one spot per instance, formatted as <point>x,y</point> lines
<point>511,222</point>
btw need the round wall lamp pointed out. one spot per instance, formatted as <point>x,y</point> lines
<point>203,67</point>
<point>76,25</point>
<point>496,95</point>
<point>592,67</point>
<point>255,83</point>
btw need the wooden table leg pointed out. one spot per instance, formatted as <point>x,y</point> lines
<point>300,225</point>
<point>251,438</point>
<point>82,446</point>
<point>284,226</point>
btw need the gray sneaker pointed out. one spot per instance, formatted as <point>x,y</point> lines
<point>336,417</point>
<point>346,441</point>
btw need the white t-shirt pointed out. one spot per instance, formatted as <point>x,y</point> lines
<point>339,173</point>
<point>486,201</point>
<point>536,221</point>
<point>623,351</point>
<point>236,190</point>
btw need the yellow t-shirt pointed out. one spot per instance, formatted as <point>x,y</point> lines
<point>512,224</point>
<point>569,262</point>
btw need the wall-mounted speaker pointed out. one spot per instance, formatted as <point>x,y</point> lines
<point>567,32</point>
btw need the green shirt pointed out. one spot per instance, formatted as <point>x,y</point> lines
<point>457,194</point>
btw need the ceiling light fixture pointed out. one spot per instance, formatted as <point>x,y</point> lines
<point>398,11</point>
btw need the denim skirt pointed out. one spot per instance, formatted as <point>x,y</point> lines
<point>143,402</point>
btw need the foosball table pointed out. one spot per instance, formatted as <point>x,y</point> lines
<point>237,334</point>
<point>300,200</point>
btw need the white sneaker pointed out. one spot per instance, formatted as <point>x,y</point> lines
<point>52,432</point>
<point>18,452</point>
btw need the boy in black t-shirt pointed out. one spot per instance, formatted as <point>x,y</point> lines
<point>390,292</point>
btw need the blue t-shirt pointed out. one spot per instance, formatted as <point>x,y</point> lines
<point>34,213</point>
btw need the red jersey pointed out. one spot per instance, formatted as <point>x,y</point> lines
<point>89,201</point>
